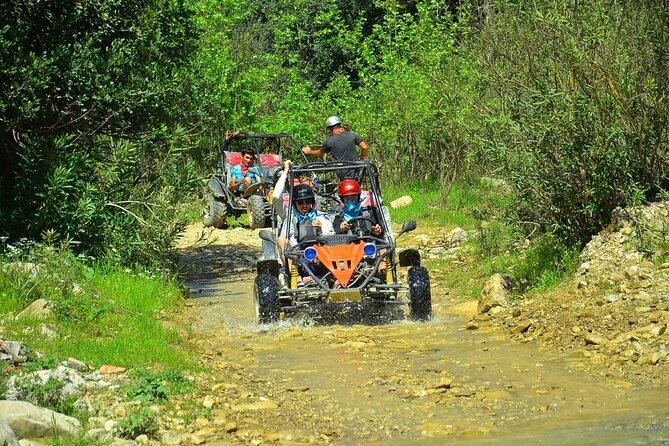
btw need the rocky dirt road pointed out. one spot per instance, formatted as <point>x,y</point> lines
<point>399,383</point>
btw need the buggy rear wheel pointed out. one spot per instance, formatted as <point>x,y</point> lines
<point>420,297</point>
<point>214,213</point>
<point>256,211</point>
<point>266,299</point>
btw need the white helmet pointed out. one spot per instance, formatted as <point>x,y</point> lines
<point>332,121</point>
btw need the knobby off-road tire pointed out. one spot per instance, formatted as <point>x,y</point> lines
<point>215,213</point>
<point>420,296</point>
<point>256,210</point>
<point>266,299</point>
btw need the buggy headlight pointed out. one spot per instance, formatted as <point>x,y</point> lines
<point>369,249</point>
<point>310,253</point>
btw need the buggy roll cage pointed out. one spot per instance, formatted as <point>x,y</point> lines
<point>363,170</point>
<point>256,137</point>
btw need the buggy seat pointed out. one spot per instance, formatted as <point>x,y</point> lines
<point>268,160</point>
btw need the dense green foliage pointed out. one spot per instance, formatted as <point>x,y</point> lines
<point>109,110</point>
<point>91,143</point>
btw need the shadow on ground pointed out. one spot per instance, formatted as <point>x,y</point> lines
<point>217,262</point>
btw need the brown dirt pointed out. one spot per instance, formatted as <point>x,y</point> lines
<point>408,383</point>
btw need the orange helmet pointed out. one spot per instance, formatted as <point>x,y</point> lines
<point>349,187</point>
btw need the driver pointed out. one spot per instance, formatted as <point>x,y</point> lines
<point>349,193</point>
<point>303,210</point>
<point>243,175</point>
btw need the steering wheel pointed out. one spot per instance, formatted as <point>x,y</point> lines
<point>361,230</point>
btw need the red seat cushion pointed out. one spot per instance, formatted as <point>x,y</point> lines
<point>233,158</point>
<point>270,159</point>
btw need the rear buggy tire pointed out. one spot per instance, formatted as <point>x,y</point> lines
<point>256,211</point>
<point>266,299</point>
<point>215,213</point>
<point>420,297</point>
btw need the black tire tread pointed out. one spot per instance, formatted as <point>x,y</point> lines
<point>256,211</point>
<point>266,295</point>
<point>215,214</point>
<point>420,295</point>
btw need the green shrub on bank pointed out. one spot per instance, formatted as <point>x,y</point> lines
<point>544,264</point>
<point>99,314</point>
<point>139,422</point>
<point>150,387</point>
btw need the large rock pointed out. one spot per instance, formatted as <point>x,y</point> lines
<point>39,309</point>
<point>7,435</point>
<point>31,421</point>
<point>456,236</point>
<point>73,383</point>
<point>494,294</point>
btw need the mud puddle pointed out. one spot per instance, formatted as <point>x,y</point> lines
<point>405,383</point>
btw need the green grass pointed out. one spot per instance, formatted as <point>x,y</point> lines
<point>494,245</point>
<point>101,315</point>
<point>425,208</point>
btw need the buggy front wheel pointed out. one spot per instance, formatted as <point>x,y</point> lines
<point>214,213</point>
<point>420,296</point>
<point>266,299</point>
<point>256,211</point>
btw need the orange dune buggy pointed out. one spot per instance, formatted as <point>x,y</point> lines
<point>338,269</point>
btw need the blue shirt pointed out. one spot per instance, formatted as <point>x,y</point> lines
<point>236,171</point>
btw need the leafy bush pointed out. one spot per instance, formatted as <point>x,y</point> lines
<point>141,422</point>
<point>545,263</point>
<point>90,150</point>
<point>576,108</point>
<point>156,387</point>
<point>49,395</point>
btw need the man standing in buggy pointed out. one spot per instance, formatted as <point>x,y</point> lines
<point>349,193</point>
<point>342,144</point>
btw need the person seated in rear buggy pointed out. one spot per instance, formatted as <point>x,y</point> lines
<point>349,193</point>
<point>243,175</point>
<point>305,220</point>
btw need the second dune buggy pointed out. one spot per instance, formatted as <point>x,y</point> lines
<point>220,202</point>
<point>339,269</point>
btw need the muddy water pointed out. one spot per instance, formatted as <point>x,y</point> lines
<point>405,383</point>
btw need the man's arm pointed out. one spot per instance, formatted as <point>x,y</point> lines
<point>363,150</point>
<point>234,180</point>
<point>309,151</point>
<point>277,195</point>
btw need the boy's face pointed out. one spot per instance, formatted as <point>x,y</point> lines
<point>248,159</point>
<point>304,206</point>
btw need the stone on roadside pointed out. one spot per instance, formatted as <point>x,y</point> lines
<point>110,369</point>
<point>7,435</point>
<point>40,309</point>
<point>75,364</point>
<point>208,402</point>
<point>170,438</point>
<point>472,325</point>
<point>401,202</point>
<point>97,434</point>
<point>494,294</point>
<point>31,421</point>
<point>25,442</point>
<point>594,339</point>
<point>522,327</point>
<point>260,405</point>
<point>456,236</point>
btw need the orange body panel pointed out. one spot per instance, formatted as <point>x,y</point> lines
<point>341,260</point>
